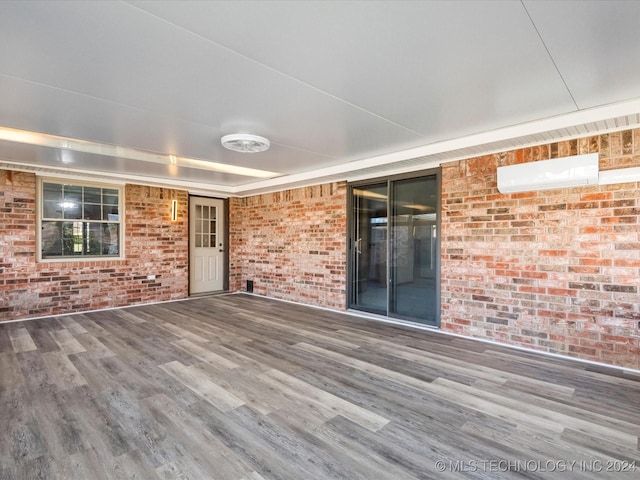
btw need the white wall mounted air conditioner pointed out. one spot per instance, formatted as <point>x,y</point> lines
<point>547,174</point>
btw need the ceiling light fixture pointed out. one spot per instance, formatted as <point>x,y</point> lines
<point>245,143</point>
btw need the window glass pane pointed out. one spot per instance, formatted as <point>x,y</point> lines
<point>213,240</point>
<point>52,209</point>
<point>92,212</point>
<point>93,238</point>
<point>110,191</point>
<point>110,213</point>
<point>110,200</point>
<point>52,192</point>
<point>111,239</point>
<point>198,240</point>
<point>198,212</point>
<point>110,210</point>
<point>92,195</point>
<point>71,210</point>
<point>205,227</point>
<point>51,239</point>
<point>72,194</point>
<point>71,238</point>
<point>205,242</point>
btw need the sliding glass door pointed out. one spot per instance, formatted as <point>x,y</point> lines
<point>394,254</point>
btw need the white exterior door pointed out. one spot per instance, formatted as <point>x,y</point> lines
<point>206,245</point>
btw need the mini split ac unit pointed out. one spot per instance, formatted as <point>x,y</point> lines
<point>547,174</point>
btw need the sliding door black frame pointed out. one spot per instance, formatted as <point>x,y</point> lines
<point>351,240</point>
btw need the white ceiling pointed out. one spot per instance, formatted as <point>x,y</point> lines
<point>341,89</point>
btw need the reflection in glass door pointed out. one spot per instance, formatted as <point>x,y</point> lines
<point>413,250</point>
<point>369,249</point>
<point>394,256</point>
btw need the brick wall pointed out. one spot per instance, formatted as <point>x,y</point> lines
<point>292,244</point>
<point>557,270</point>
<point>153,245</point>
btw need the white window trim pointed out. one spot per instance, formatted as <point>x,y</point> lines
<point>67,180</point>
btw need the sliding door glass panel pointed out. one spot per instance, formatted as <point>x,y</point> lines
<point>369,248</point>
<point>413,248</point>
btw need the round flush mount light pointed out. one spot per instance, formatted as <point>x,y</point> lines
<point>245,143</point>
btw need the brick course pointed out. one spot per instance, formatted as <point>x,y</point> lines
<point>292,244</point>
<point>557,270</point>
<point>153,245</point>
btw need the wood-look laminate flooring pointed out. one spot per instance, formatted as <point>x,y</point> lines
<point>245,388</point>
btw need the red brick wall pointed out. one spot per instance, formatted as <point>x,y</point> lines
<point>153,245</point>
<point>556,270</point>
<point>292,244</point>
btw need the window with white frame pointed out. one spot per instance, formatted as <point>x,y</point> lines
<point>79,220</point>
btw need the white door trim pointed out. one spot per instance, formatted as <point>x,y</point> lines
<point>207,245</point>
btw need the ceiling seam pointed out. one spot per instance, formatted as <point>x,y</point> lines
<point>555,65</point>
<point>105,100</point>
<point>273,69</point>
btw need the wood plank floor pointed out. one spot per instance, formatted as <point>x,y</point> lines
<point>246,388</point>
